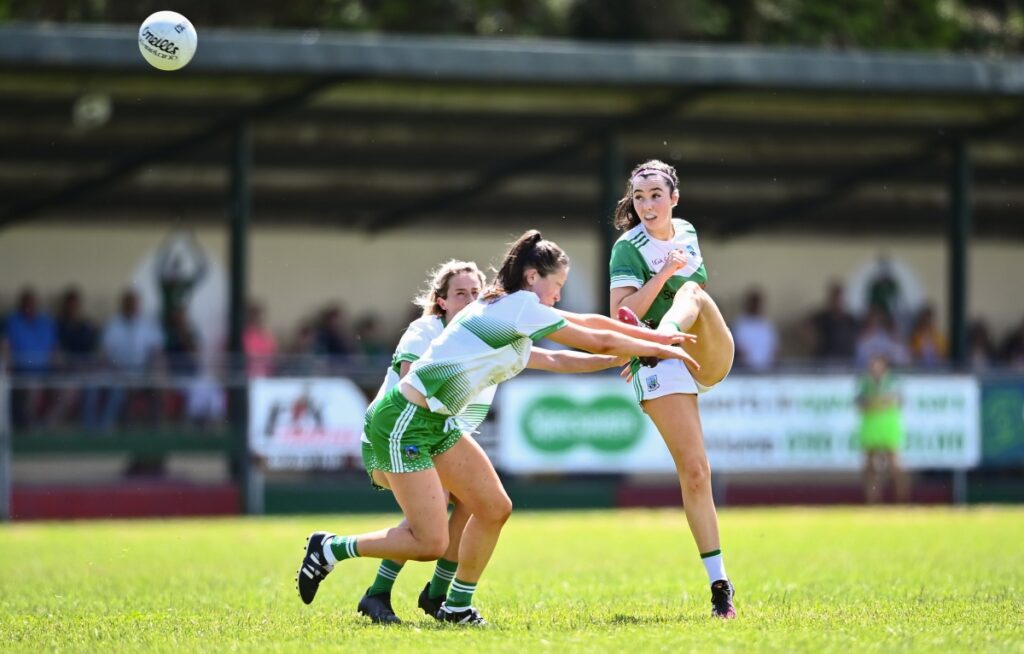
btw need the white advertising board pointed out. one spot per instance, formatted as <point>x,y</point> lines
<point>750,424</point>
<point>305,423</point>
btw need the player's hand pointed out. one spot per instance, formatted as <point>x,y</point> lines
<point>675,261</point>
<point>627,372</point>
<point>678,353</point>
<point>671,338</point>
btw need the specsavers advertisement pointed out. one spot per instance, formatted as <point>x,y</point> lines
<point>750,424</point>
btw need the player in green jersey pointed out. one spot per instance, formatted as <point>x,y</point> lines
<point>657,272</point>
<point>421,456</point>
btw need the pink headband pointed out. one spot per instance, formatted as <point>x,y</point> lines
<point>650,171</point>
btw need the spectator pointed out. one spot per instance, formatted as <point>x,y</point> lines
<point>879,338</point>
<point>77,338</point>
<point>368,337</point>
<point>980,348</point>
<point>833,329</point>
<point>884,292</point>
<point>332,339</point>
<point>259,343</point>
<point>302,355</point>
<point>881,431</point>
<point>1013,348</point>
<point>130,347</point>
<point>32,343</point>
<point>203,397</point>
<point>928,346</point>
<point>756,338</point>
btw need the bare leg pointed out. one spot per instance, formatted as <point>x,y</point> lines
<point>872,477</point>
<point>423,535</point>
<point>456,526</point>
<point>678,421</point>
<point>900,480</point>
<point>456,521</point>
<point>694,311</point>
<point>468,473</point>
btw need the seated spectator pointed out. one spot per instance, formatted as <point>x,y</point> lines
<point>259,343</point>
<point>981,350</point>
<point>77,338</point>
<point>368,337</point>
<point>879,338</point>
<point>130,347</point>
<point>1012,352</point>
<point>203,398</point>
<point>833,330</point>
<point>332,338</point>
<point>928,346</point>
<point>32,342</point>
<point>302,359</point>
<point>757,340</point>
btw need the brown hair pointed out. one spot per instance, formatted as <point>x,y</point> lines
<point>529,251</point>
<point>625,216</point>
<point>437,284</point>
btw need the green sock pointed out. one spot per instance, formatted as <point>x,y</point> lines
<point>460,595</point>
<point>386,575</point>
<point>444,572</point>
<point>343,547</point>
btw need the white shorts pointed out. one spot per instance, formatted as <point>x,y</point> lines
<point>669,377</point>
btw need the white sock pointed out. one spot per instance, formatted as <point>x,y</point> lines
<point>328,554</point>
<point>714,565</point>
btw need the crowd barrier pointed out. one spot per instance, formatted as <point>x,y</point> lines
<point>305,429</point>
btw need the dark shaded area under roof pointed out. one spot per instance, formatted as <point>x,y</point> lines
<point>376,132</point>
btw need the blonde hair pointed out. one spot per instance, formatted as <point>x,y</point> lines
<point>437,284</point>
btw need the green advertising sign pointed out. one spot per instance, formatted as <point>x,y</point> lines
<point>1002,423</point>
<point>607,423</point>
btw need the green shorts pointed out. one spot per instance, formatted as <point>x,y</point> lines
<point>370,463</point>
<point>405,437</point>
<point>881,430</point>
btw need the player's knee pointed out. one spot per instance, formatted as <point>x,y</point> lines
<point>432,547</point>
<point>691,291</point>
<point>498,511</point>
<point>696,475</point>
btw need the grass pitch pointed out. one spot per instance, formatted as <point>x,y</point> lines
<point>842,580</point>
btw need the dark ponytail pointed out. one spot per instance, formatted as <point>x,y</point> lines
<point>529,251</point>
<point>625,216</point>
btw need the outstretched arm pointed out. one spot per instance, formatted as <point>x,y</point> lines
<point>601,341</point>
<point>598,322</point>
<point>570,361</point>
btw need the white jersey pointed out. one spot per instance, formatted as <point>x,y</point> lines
<point>487,343</point>
<point>413,344</point>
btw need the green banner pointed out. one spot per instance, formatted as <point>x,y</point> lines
<point>1002,423</point>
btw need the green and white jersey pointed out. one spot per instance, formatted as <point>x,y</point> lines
<point>487,343</point>
<point>411,346</point>
<point>637,256</point>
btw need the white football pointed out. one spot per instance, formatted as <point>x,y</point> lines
<point>167,40</point>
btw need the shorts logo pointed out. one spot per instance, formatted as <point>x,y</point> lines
<point>410,452</point>
<point>652,383</point>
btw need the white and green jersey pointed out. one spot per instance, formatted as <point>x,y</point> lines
<point>637,256</point>
<point>411,346</point>
<point>487,343</point>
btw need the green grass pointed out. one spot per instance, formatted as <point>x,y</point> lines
<point>844,580</point>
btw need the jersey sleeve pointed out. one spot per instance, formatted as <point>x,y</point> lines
<point>536,320</point>
<point>626,267</point>
<point>412,345</point>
